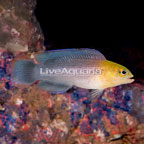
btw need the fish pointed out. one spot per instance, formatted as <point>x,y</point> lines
<point>60,70</point>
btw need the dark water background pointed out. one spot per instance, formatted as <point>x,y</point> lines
<point>118,37</point>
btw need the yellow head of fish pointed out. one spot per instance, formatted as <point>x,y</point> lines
<point>114,74</point>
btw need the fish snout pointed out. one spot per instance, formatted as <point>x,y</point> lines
<point>131,79</point>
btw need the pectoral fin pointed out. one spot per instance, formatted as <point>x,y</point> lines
<point>52,87</point>
<point>96,93</point>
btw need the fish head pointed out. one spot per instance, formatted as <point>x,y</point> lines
<point>123,75</point>
<point>115,74</point>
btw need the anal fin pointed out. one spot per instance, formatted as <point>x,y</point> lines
<point>53,87</point>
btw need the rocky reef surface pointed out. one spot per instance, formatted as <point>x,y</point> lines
<point>29,115</point>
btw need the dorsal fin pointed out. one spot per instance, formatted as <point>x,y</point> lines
<point>83,53</point>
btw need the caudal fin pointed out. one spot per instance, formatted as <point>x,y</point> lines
<point>24,72</point>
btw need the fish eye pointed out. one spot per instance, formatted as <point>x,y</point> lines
<point>122,72</point>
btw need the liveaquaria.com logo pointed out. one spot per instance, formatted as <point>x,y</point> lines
<point>70,71</point>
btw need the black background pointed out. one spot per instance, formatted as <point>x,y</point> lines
<point>119,36</point>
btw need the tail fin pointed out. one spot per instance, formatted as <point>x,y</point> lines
<point>24,72</point>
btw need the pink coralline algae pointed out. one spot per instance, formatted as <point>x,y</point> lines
<point>28,114</point>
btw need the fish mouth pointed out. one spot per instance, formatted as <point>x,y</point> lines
<point>131,79</point>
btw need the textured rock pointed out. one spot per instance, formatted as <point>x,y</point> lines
<point>29,115</point>
<point>19,30</point>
